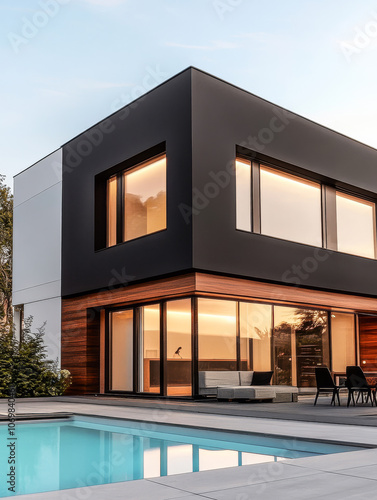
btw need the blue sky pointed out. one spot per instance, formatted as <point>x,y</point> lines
<point>65,69</point>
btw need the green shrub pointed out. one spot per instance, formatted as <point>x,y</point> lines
<point>24,365</point>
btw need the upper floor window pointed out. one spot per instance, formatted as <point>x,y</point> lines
<point>290,207</point>
<point>136,201</point>
<point>355,222</point>
<point>279,204</point>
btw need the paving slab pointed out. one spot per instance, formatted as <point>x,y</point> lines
<point>337,461</point>
<point>321,486</point>
<point>203,482</point>
<point>366,471</point>
<point>132,490</point>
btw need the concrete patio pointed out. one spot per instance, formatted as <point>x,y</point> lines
<point>344,475</point>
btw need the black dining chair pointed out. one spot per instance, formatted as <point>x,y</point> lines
<point>356,382</point>
<point>325,383</point>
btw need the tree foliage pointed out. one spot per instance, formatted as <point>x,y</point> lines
<point>24,365</point>
<point>6,231</point>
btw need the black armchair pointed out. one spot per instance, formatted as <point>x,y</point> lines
<point>356,382</point>
<point>325,383</point>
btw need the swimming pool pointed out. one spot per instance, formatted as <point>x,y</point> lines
<point>87,451</point>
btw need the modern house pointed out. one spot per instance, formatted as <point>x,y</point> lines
<point>200,228</point>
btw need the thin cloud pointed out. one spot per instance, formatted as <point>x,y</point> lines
<point>215,45</point>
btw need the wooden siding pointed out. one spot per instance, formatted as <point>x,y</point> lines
<point>83,338</point>
<point>269,292</point>
<point>368,343</point>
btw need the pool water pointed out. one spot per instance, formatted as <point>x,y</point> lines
<point>86,451</point>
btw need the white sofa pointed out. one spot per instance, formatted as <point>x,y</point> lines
<point>238,385</point>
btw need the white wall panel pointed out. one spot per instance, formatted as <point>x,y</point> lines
<point>37,246</point>
<point>48,311</point>
<point>38,177</point>
<point>37,232</point>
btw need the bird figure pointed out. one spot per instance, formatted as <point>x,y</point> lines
<point>177,352</point>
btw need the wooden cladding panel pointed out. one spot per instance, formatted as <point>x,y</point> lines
<point>368,343</point>
<point>83,355</point>
<point>242,288</point>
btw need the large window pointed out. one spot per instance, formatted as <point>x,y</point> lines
<point>143,198</point>
<point>282,205</point>
<point>290,207</point>
<point>355,219</point>
<point>217,334</point>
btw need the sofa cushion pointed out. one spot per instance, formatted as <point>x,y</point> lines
<point>246,392</point>
<point>209,379</point>
<point>246,378</point>
<point>261,378</point>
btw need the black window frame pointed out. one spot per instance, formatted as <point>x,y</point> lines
<point>101,197</point>
<point>329,190</point>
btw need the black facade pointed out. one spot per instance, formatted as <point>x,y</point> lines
<point>202,122</point>
<point>162,117</point>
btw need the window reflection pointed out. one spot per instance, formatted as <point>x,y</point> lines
<point>290,207</point>
<point>217,459</point>
<point>151,463</point>
<point>355,220</point>
<point>180,459</point>
<point>301,342</point>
